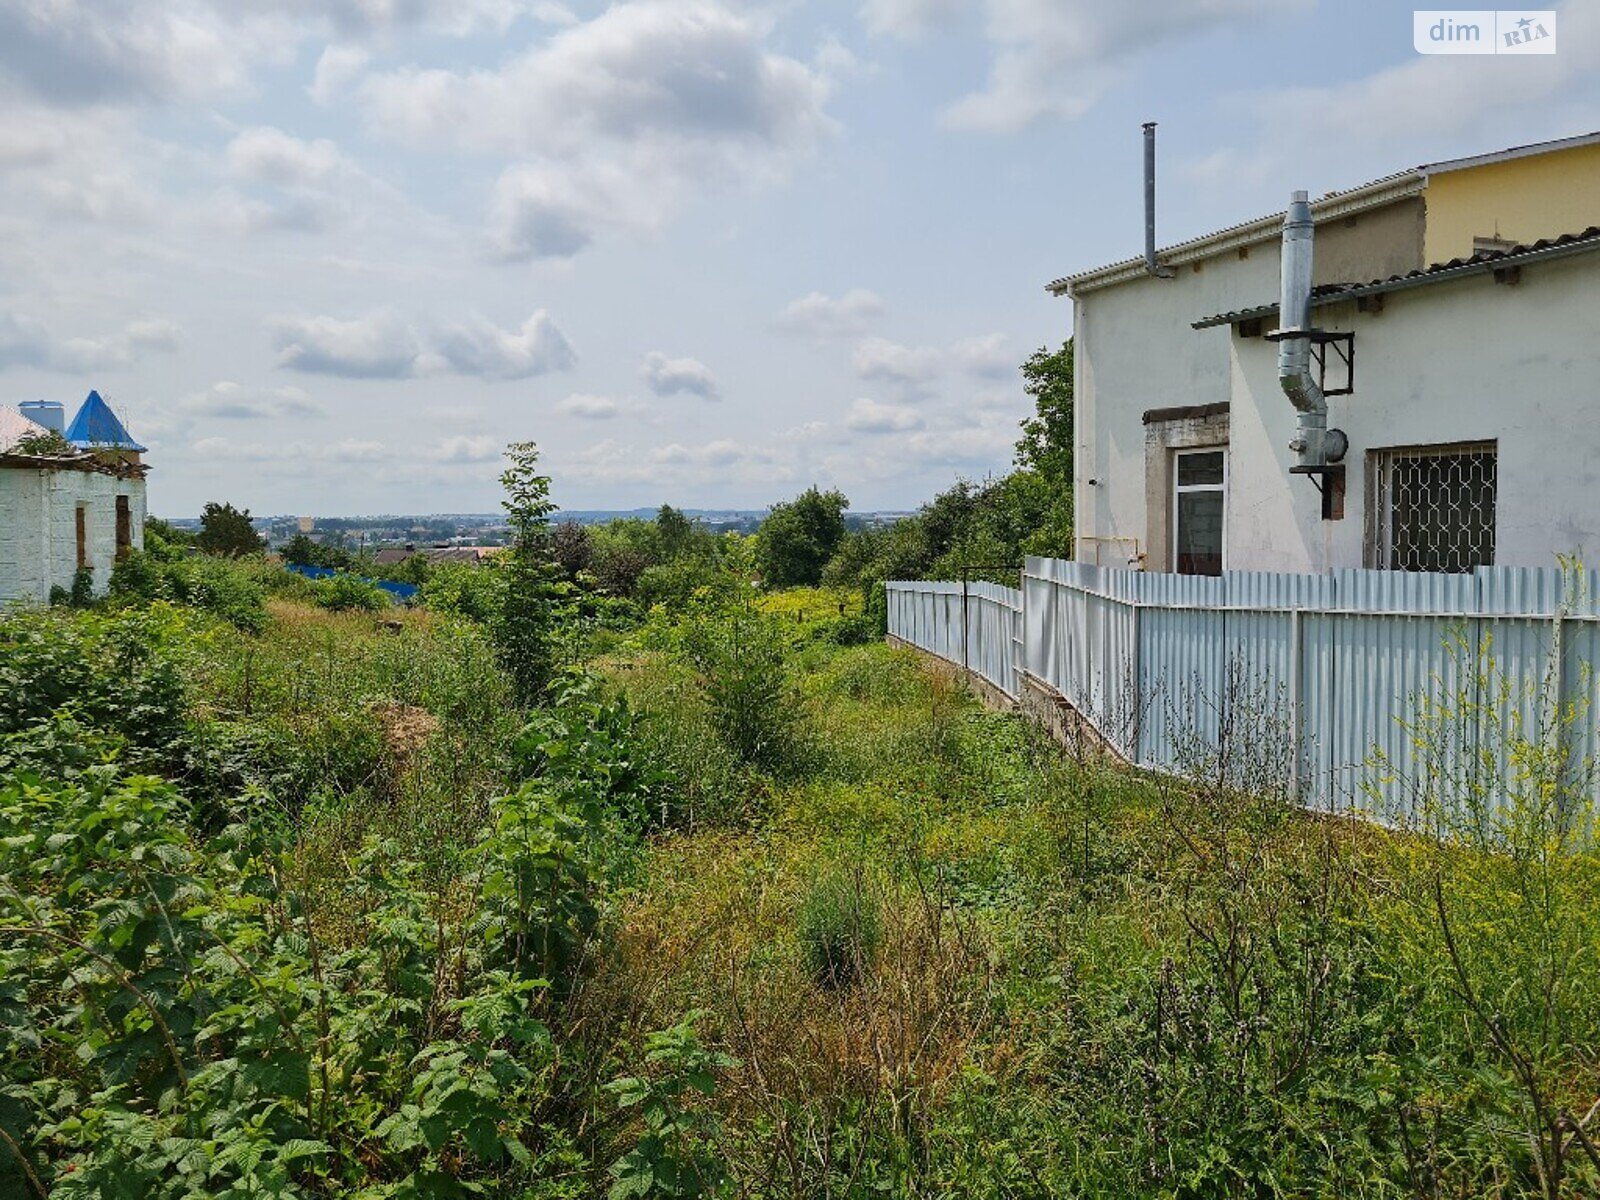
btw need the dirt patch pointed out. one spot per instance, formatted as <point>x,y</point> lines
<point>406,730</point>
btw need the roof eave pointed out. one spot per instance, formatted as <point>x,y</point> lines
<point>1262,229</point>
<point>1407,282</point>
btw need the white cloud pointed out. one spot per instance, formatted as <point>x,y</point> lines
<point>822,316</point>
<point>346,450</point>
<point>910,18</point>
<point>383,345</point>
<point>231,401</point>
<point>1055,58</point>
<point>987,357</point>
<point>669,376</point>
<point>379,346</point>
<point>593,408</point>
<point>27,342</point>
<point>914,368</point>
<point>465,448</point>
<point>879,358</point>
<point>868,416</point>
<point>481,348</point>
<point>610,463</point>
<point>1429,97</point>
<point>268,155</point>
<point>614,122</point>
<point>337,68</point>
<point>82,52</point>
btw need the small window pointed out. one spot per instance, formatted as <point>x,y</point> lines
<point>124,527</point>
<point>1200,477</point>
<point>81,529</point>
<point>1435,508</point>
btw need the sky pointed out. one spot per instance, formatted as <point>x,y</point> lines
<point>330,256</point>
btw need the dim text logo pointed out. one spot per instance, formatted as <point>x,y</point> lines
<point>1484,31</point>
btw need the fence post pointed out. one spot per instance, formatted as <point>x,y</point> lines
<point>1296,708</point>
<point>1136,653</point>
<point>966,664</point>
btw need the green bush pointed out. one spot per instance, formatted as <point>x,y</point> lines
<point>219,586</point>
<point>118,672</point>
<point>474,593</point>
<point>344,592</point>
<point>839,927</point>
<point>741,656</point>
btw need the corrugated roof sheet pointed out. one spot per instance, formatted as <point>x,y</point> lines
<point>96,427</point>
<point>1483,261</point>
<point>14,427</point>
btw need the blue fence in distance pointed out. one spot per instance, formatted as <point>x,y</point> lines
<point>399,592</point>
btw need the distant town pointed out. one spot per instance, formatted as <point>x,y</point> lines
<point>400,530</point>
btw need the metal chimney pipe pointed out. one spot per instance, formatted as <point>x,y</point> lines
<point>1294,352</point>
<point>1151,266</point>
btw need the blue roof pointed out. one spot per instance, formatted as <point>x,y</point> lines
<point>96,428</point>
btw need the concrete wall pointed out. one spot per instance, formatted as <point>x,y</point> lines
<point>38,530</point>
<point>1463,361</point>
<point>1523,199</point>
<point>1134,351</point>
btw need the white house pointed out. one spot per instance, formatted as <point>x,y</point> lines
<point>66,508</point>
<point>1459,302</point>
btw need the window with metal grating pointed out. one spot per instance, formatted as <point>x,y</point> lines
<point>1434,507</point>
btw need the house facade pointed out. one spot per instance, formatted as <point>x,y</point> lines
<point>77,503</point>
<point>1458,310</point>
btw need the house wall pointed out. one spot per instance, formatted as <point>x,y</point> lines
<point>1462,361</point>
<point>1523,199</point>
<point>38,530</point>
<point>1133,351</point>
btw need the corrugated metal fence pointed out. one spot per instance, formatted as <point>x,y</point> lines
<point>1372,686</point>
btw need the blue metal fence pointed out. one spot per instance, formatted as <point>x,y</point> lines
<point>400,592</point>
<point>1333,669</point>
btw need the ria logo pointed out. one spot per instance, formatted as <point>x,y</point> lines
<point>1483,31</point>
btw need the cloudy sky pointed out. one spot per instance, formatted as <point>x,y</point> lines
<point>329,256</point>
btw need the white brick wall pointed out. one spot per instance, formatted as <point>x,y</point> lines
<point>38,530</point>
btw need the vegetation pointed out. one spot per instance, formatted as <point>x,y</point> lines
<point>227,531</point>
<point>540,890</point>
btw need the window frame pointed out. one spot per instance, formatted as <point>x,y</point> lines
<point>1380,496</point>
<point>1184,489</point>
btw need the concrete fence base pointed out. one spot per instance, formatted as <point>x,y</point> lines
<point>1035,699</point>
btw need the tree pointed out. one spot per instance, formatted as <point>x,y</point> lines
<point>227,531</point>
<point>572,547</point>
<point>1046,444</point>
<point>675,530</point>
<point>524,630</point>
<point>798,538</point>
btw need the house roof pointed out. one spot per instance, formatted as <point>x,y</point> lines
<point>96,427</point>
<point>1343,203</point>
<point>1483,262</point>
<point>14,427</point>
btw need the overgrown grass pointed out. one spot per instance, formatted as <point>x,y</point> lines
<point>1088,982</point>
<point>739,911</point>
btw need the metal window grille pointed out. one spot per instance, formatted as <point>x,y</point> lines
<point>1435,508</point>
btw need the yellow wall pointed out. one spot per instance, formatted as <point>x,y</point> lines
<point>1523,199</point>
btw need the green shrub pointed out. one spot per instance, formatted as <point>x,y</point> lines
<point>344,592</point>
<point>741,656</point>
<point>138,576</point>
<point>839,927</point>
<point>219,586</point>
<point>475,593</point>
<point>116,672</point>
